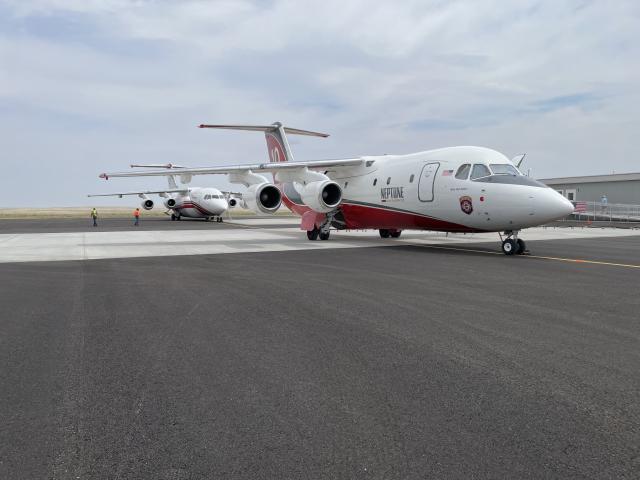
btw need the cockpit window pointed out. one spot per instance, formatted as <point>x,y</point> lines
<point>479,170</point>
<point>463,171</point>
<point>504,169</point>
<point>207,197</point>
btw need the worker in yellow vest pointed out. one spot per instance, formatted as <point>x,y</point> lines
<point>94,216</point>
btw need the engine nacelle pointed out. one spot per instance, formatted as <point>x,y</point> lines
<point>147,204</point>
<point>236,202</point>
<point>321,196</point>
<point>170,203</point>
<point>262,198</point>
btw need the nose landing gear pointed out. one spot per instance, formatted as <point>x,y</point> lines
<point>512,245</point>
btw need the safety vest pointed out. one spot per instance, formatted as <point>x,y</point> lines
<point>94,213</point>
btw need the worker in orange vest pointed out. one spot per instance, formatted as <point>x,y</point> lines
<point>136,216</point>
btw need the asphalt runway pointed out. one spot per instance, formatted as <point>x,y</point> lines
<point>416,361</point>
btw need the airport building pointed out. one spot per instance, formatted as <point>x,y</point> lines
<point>622,188</point>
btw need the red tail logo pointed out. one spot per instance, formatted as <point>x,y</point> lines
<point>274,146</point>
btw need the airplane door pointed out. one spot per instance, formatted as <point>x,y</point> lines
<point>427,182</point>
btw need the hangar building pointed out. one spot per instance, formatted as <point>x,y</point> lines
<point>618,187</point>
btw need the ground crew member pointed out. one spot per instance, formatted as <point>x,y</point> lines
<point>604,201</point>
<point>94,215</point>
<point>136,216</point>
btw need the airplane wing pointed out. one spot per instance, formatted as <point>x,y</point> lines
<point>226,169</point>
<point>151,192</point>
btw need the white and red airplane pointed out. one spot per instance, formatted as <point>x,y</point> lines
<point>455,189</point>
<point>191,202</point>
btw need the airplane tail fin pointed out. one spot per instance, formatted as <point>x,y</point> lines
<point>276,136</point>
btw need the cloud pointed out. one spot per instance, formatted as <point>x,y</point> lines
<point>88,86</point>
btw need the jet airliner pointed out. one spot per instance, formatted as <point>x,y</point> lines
<point>454,189</point>
<point>190,202</point>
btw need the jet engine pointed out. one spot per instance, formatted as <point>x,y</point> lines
<point>147,204</point>
<point>170,203</point>
<point>262,198</point>
<point>235,202</point>
<point>321,196</point>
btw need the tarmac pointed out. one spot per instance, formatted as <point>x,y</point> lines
<point>430,356</point>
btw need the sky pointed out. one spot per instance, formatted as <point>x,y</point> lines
<point>89,86</point>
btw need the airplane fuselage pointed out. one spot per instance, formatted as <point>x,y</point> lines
<point>200,203</point>
<point>430,190</point>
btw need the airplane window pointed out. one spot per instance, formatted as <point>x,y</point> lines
<point>375,180</point>
<point>479,170</point>
<point>388,180</point>
<point>463,171</point>
<point>503,169</point>
<point>411,178</point>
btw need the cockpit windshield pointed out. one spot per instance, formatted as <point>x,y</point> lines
<point>479,171</point>
<point>504,169</point>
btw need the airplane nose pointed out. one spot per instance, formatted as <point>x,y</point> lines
<point>561,206</point>
<point>567,207</point>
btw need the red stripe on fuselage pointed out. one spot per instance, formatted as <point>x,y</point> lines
<point>364,216</point>
<point>194,206</point>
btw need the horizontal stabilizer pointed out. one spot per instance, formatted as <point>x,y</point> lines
<point>266,128</point>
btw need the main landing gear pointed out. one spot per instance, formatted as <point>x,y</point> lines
<point>212,219</point>
<point>386,233</point>
<point>512,245</point>
<point>318,233</point>
<point>175,217</point>
<point>322,231</point>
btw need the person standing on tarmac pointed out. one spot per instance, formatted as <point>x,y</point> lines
<point>94,216</point>
<point>136,216</point>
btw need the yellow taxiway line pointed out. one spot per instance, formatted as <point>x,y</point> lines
<point>540,257</point>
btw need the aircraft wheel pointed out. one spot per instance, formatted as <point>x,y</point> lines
<point>395,233</point>
<point>509,246</point>
<point>522,247</point>
<point>324,235</point>
<point>313,234</point>
<point>178,217</point>
<point>173,217</point>
<point>384,233</point>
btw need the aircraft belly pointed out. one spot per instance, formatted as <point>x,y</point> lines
<point>189,212</point>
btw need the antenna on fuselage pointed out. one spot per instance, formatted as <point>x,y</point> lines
<point>518,159</point>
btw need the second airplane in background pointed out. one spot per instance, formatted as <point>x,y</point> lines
<point>207,203</point>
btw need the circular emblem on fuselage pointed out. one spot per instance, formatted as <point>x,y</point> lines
<point>466,205</point>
